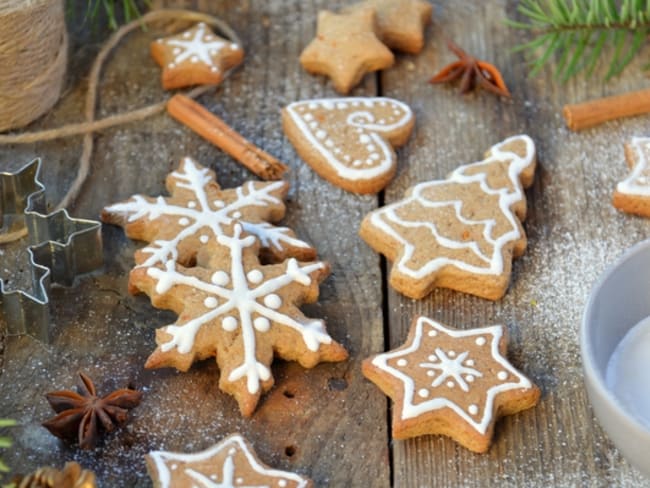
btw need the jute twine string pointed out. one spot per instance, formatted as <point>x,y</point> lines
<point>33,59</point>
<point>91,125</point>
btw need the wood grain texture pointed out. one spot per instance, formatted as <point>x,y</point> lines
<point>329,422</point>
<point>573,233</point>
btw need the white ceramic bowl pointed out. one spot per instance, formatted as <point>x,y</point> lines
<point>619,300</point>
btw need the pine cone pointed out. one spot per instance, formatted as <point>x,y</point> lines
<point>71,476</point>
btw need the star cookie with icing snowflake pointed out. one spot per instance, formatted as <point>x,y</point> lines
<point>244,313</point>
<point>179,226</point>
<point>349,141</point>
<point>230,463</point>
<point>346,48</point>
<point>451,382</point>
<point>461,232</point>
<point>195,57</point>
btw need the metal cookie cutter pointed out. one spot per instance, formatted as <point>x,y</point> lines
<point>60,248</point>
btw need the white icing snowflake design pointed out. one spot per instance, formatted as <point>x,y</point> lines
<point>197,45</point>
<point>205,216</point>
<point>448,369</point>
<point>243,301</point>
<point>208,469</point>
<point>638,182</point>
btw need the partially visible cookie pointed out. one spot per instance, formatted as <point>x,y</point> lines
<point>632,195</point>
<point>451,382</point>
<point>230,463</point>
<point>346,48</point>
<point>195,57</point>
<point>461,232</point>
<point>349,141</point>
<point>401,23</point>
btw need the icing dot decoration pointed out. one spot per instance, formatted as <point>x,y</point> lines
<point>273,301</point>
<point>229,323</point>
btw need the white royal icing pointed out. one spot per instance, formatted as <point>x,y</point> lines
<point>638,182</point>
<point>453,371</point>
<point>379,156</point>
<point>206,218</point>
<point>244,299</point>
<point>382,218</point>
<point>198,47</point>
<point>226,475</point>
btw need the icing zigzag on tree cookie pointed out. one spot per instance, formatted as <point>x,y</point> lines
<point>242,313</point>
<point>197,212</point>
<point>461,232</point>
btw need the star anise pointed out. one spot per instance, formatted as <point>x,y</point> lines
<point>85,416</point>
<point>471,72</point>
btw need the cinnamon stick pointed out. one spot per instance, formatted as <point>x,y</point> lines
<point>588,114</point>
<point>215,130</point>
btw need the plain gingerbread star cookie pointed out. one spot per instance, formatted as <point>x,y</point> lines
<point>451,382</point>
<point>230,463</point>
<point>632,195</point>
<point>461,232</point>
<point>346,48</point>
<point>195,57</point>
<point>401,23</point>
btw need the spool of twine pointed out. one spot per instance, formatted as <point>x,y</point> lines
<point>33,59</point>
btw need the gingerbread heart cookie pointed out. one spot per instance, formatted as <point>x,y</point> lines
<point>462,232</point>
<point>451,382</point>
<point>230,463</point>
<point>632,195</point>
<point>196,212</point>
<point>195,57</point>
<point>349,141</point>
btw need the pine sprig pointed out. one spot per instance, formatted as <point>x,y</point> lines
<point>5,442</point>
<point>129,10</point>
<point>578,33</point>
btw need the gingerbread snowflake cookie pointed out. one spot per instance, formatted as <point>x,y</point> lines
<point>244,313</point>
<point>230,463</point>
<point>462,232</point>
<point>346,48</point>
<point>451,382</point>
<point>197,211</point>
<point>349,141</point>
<point>400,23</point>
<point>632,195</point>
<point>195,57</point>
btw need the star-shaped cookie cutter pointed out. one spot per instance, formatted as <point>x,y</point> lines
<point>60,248</point>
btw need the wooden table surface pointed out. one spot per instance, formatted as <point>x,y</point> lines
<point>330,423</point>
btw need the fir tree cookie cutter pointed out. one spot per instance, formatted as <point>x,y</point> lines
<point>60,248</point>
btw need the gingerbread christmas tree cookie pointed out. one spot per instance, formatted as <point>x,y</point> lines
<point>195,57</point>
<point>346,48</point>
<point>349,141</point>
<point>230,463</point>
<point>632,195</point>
<point>461,232</point>
<point>196,213</point>
<point>451,382</point>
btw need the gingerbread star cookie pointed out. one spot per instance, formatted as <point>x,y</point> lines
<point>461,232</point>
<point>632,195</point>
<point>195,57</point>
<point>244,313</point>
<point>346,48</point>
<point>451,382</point>
<point>196,212</point>
<point>230,463</point>
<point>401,23</point>
<point>349,141</point>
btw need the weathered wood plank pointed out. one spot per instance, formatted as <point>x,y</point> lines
<point>328,423</point>
<point>573,233</point>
